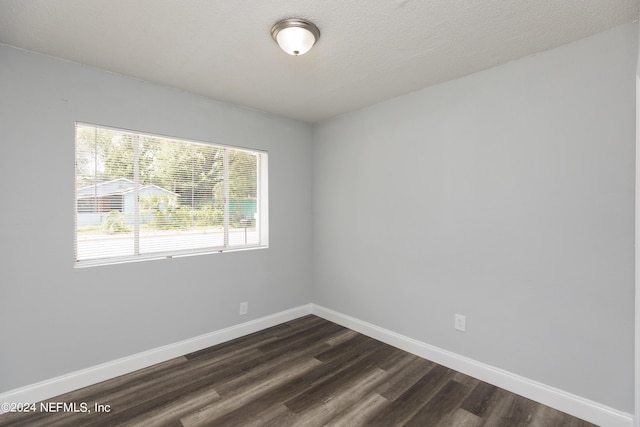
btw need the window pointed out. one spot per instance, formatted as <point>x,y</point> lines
<point>141,196</point>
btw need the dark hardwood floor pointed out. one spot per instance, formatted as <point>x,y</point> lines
<point>307,372</point>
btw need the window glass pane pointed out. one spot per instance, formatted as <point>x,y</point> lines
<point>243,198</point>
<point>139,195</point>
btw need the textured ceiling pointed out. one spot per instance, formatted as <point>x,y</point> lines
<point>369,50</point>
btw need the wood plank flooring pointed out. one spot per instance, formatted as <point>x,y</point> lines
<point>307,372</point>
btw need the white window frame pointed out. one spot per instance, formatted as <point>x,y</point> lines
<point>262,209</point>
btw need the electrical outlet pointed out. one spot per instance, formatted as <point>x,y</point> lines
<point>244,308</point>
<point>460,322</point>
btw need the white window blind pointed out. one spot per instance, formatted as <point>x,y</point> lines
<point>142,196</point>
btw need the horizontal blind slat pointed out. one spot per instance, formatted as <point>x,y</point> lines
<point>180,192</point>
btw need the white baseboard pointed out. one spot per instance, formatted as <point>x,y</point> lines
<point>95,374</point>
<point>555,398</point>
<point>550,396</point>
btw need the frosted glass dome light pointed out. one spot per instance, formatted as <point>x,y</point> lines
<point>295,36</point>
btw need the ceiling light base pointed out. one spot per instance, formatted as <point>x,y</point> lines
<point>295,36</point>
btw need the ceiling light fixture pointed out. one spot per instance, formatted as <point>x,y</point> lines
<point>295,36</point>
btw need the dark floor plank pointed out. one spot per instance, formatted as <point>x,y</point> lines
<point>269,335</point>
<point>301,338</point>
<point>370,355</point>
<point>132,404</point>
<point>275,416</point>
<point>510,410</point>
<point>134,399</point>
<point>545,416</point>
<point>274,369</point>
<point>99,393</point>
<point>344,396</point>
<point>294,326</point>
<point>400,357</point>
<point>337,364</point>
<point>361,412</point>
<point>409,374</point>
<point>230,347</point>
<point>460,418</point>
<point>294,387</point>
<point>466,380</point>
<point>346,345</point>
<point>306,372</point>
<point>171,412</point>
<point>407,404</point>
<point>272,365</point>
<point>218,412</point>
<point>345,335</point>
<point>445,401</point>
<point>481,399</point>
<point>290,387</point>
<point>520,412</point>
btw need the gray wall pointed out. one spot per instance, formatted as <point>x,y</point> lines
<point>507,196</point>
<point>55,319</point>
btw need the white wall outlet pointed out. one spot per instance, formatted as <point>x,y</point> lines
<point>244,308</point>
<point>460,322</point>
